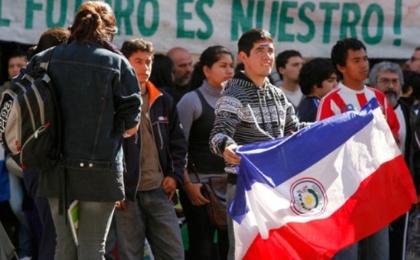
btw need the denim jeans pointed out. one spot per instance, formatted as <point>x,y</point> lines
<point>348,253</point>
<point>94,222</point>
<point>201,232</point>
<point>15,201</point>
<point>398,237</point>
<point>230,196</point>
<point>376,246</point>
<point>151,216</point>
<point>47,243</point>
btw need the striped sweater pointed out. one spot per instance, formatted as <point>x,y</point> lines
<point>247,114</point>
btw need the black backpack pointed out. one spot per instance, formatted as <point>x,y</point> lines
<point>30,120</point>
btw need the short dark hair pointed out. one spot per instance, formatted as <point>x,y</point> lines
<point>49,38</point>
<point>283,57</point>
<point>17,54</point>
<point>162,69</point>
<point>249,38</point>
<point>314,72</point>
<point>339,51</point>
<point>134,45</point>
<point>411,79</point>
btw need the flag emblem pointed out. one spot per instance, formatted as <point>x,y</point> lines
<point>308,197</point>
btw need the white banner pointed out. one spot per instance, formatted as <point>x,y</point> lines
<point>389,28</point>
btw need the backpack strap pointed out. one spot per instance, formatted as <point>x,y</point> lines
<point>63,200</point>
<point>45,60</point>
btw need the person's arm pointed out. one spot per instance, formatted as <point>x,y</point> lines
<point>177,144</point>
<point>131,131</point>
<point>189,109</point>
<point>221,136</point>
<point>127,101</point>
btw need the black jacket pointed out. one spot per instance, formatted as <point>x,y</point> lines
<point>415,159</point>
<point>169,138</point>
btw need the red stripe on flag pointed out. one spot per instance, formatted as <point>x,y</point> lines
<point>380,198</point>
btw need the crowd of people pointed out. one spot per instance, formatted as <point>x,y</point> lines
<point>142,131</point>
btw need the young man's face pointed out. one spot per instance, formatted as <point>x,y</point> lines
<point>357,66</point>
<point>14,66</point>
<point>141,61</point>
<point>260,60</point>
<point>292,68</point>
<point>326,86</point>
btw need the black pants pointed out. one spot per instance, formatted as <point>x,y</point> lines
<point>201,233</point>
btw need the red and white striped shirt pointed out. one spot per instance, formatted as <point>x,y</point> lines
<point>343,99</point>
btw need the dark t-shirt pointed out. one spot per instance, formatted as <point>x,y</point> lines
<point>307,109</point>
<point>177,92</point>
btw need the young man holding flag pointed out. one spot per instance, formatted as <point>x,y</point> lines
<point>311,194</point>
<point>250,110</point>
<point>350,58</point>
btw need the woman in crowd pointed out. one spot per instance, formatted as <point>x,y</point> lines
<point>196,111</point>
<point>18,193</point>
<point>99,100</point>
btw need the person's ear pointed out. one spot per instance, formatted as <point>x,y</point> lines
<point>280,70</point>
<point>243,57</point>
<point>341,68</point>
<point>206,71</point>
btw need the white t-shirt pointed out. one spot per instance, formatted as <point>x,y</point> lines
<point>294,97</point>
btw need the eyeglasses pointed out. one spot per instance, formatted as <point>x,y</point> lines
<point>386,82</point>
<point>412,59</point>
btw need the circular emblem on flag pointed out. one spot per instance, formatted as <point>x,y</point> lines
<point>308,197</point>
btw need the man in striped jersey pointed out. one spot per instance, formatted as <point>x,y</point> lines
<point>250,110</point>
<point>349,56</point>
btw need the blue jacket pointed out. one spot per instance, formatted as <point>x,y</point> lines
<point>169,138</point>
<point>99,99</point>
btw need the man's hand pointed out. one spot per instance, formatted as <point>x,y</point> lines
<point>169,186</point>
<point>193,191</point>
<point>121,205</point>
<point>230,156</point>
